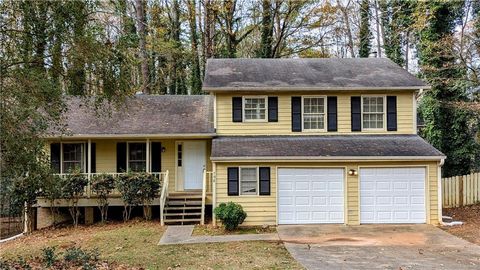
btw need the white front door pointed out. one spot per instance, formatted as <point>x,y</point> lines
<point>310,195</point>
<point>194,161</point>
<point>392,195</point>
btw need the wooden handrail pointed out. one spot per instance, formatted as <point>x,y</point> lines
<point>163,197</point>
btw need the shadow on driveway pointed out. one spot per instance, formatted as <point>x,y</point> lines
<point>378,247</point>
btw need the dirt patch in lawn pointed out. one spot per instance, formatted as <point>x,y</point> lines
<point>135,244</point>
<point>470,216</point>
<point>220,230</point>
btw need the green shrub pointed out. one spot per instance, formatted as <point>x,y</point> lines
<point>73,187</point>
<point>137,189</point>
<point>52,191</point>
<point>231,215</point>
<point>49,256</point>
<point>79,257</point>
<point>103,185</point>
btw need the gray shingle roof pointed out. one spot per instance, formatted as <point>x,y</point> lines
<point>329,146</point>
<point>307,74</point>
<point>151,115</point>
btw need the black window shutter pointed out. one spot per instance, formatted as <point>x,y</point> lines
<point>55,157</point>
<point>392,113</point>
<point>236,109</point>
<point>156,150</point>
<point>272,109</point>
<point>264,180</point>
<point>93,158</point>
<point>121,157</point>
<point>232,179</point>
<point>332,113</point>
<point>296,114</point>
<point>356,109</point>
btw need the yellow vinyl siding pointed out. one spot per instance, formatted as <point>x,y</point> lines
<point>260,209</point>
<point>263,209</point>
<point>225,126</point>
<point>106,156</point>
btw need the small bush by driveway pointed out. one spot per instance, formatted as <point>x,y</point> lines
<point>378,247</point>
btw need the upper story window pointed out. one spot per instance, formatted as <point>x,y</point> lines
<point>254,109</point>
<point>248,180</point>
<point>314,113</point>
<point>373,112</point>
<point>137,157</point>
<point>73,157</point>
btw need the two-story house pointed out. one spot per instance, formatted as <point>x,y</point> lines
<point>294,141</point>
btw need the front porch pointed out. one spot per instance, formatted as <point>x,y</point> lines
<point>181,165</point>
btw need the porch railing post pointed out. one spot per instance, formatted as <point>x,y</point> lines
<point>204,193</point>
<point>89,168</point>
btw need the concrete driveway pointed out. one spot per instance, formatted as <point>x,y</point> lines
<point>398,247</point>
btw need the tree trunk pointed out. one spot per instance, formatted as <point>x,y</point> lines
<point>209,29</point>
<point>195,81</point>
<point>377,23</point>
<point>267,30</point>
<point>142,33</point>
<point>347,27</point>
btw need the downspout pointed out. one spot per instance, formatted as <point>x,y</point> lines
<point>439,190</point>
<point>214,193</point>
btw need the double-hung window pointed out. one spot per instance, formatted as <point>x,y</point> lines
<point>248,180</point>
<point>73,157</point>
<point>254,109</point>
<point>314,113</point>
<point>137,157</point>
<point>373,112</point>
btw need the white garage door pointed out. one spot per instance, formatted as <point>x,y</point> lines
<point>392,195</point>
<point>310,195</point>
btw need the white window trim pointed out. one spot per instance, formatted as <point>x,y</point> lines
<point>240,180</point>
<point>255,120</point>
<point>324,114</point>
<point>128,154</point>
<point>83,155</point>
<point>384,112</point>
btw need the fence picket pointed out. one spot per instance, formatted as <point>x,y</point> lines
<point>461,190</point>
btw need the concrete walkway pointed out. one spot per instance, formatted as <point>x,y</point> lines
<point>183,235</point>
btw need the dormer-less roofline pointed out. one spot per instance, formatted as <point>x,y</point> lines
<point>300,89</point>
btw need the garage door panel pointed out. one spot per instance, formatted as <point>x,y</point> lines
<point>318,195</point>
<point>319,201</point>
<point>392,195</point>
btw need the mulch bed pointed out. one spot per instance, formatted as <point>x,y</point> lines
<point>470,216</point>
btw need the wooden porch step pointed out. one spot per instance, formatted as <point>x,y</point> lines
<point>182,220</point>
<point>181,214</point>
<point>184,208</point>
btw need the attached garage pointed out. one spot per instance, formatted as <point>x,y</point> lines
<point>310,195</point>
<point>392,195</point>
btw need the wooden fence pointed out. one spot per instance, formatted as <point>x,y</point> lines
<point>461,190</point>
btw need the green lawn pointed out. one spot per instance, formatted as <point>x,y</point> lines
<point>135,244</point>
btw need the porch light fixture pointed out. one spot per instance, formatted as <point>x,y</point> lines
<point>163,149</point>
<point>352,172</point>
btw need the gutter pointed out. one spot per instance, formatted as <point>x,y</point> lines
<point>439,190</point>
<point>127,136</point>
<point>326,158</point>
<point>308,88</point>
